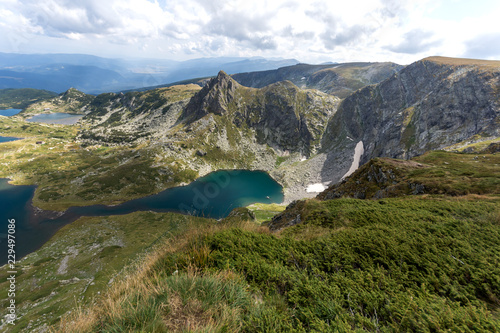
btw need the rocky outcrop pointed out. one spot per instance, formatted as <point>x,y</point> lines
<point>282,116</point>
<point>377,179</point>
<point>134,117</point>
<point>292,215</point>
<point>428,105</point>
<point>214,98</point>
<point>492,148</point>
<point>70,101</point>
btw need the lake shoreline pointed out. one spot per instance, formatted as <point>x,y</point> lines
<point>57,118</point>
<point>213,196</point>
<point>4,138</point>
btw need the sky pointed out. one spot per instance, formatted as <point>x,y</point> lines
<point>401,31</point>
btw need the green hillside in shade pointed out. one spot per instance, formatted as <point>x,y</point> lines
<point>436,172</point>
<point>408,263</point>
<point>21,98</point>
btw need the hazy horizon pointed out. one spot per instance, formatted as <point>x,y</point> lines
<point>313,32</point>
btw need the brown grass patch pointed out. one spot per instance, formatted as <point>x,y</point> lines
<point>189,316</point>
<point>463,61</point>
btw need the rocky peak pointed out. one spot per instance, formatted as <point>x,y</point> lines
<point>431,104</point>
<point>214,98</point>
<point>72,93</point>
<point>281,115</point>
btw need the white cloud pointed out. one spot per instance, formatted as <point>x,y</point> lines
<point>312,31</point>
<point>414,42</point>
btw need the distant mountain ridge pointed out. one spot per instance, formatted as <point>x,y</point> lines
<point>92,74</point>
<point>336,79</point>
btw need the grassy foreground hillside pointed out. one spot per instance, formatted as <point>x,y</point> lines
<point>435,172</point>
<point>409,263</point>
<point>401,264</point>
<point>81,261</point>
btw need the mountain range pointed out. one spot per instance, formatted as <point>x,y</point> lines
<point>390,175</point>
<point>91,74</point>
<point>434,103</point>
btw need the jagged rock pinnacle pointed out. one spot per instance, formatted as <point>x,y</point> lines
<point>213,98</point>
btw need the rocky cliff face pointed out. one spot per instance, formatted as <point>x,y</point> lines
<point>282,116</point>
<point>431,104</point>
<point>305,137</point>
<point>223,125</point>
<point>134,117</point>
<point>335,79</point>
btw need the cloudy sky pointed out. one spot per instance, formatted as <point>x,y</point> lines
<point>310,31</point>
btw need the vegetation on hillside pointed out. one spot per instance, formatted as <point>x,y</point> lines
<point>407,263</point>
<point>21,98</point>
<point>435,172</point>
<point>70,175</point>
<point>82,260</point>
<point>400,264</point>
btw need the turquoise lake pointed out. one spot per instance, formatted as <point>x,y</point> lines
<point>56,118</point>
<point>9,112</point>
<point>213,196</point>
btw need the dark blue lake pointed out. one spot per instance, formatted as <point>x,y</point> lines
<point>8,139</point>
<point>9,112</point>
<point>214,196</point>
<point>56,118</point>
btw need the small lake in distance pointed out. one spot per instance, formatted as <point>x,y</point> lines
<point>9,112</point>
<point>8,138</point>
<point>214,195</point>
<point>56,118</point>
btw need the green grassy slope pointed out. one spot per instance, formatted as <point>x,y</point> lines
<point>69,175</point>
<point>409,263</point>
<point>436,172</point>
<point>82,260</point>
<point>401,264</point>
<point>21,98</point>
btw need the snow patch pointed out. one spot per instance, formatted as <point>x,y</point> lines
<point>358,152</point>
<point>316,188</point>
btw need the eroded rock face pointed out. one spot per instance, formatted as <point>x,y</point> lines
<point>214,98</point>
<point>428,105</point>
<point>292,215</point>
<point>282,115</point>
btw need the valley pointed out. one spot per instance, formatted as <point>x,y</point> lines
<point>385,215</point>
